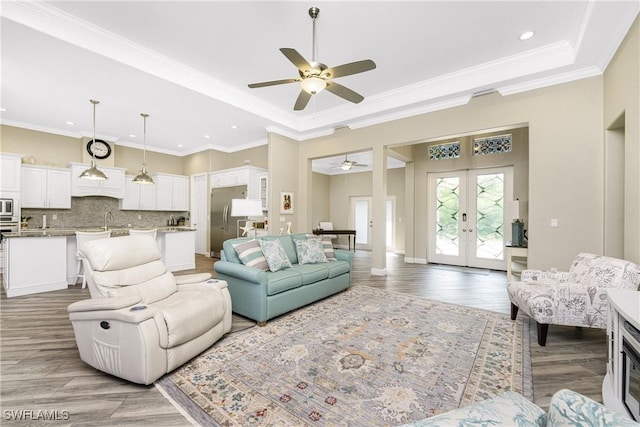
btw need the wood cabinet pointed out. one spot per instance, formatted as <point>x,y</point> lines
<point>45,187</point>
<point>138,197</point>
<point>19,275</point>
<point>172,192</point>
<point>113,186</point>
<point>10,166</point>
<point>254,178</point>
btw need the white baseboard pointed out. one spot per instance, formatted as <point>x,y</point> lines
<point>379,271</point>
<point>415,260</point>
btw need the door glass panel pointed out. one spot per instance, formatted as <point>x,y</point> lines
<point>490,216</point>
<point>447,210</point>
<point>361,211</point>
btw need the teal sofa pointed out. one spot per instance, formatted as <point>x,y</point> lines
<point>263,295</point>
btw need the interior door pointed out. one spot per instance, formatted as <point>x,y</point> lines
<point>468,217</point>
<point>360,220</point>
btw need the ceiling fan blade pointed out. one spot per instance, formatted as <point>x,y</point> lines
<point>302,101</point>
<point>344,92</point>
<point>351,68</point>
<point>297,59</point>
<point>272,83</point>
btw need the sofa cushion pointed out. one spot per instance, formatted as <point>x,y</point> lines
<point>250,254</point>
<point>310,251</point>
<point>508,409</point>
<point>283,280</point>
<point>568,408</point>
<point>312,273</point>
<point>327,246</point>
<point>275,254</point>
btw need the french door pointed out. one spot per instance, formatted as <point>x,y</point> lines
<point>468,217</point>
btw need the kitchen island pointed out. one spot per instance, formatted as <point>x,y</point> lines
<point>42,260</point>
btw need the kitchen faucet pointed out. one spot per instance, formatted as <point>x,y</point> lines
<point>107,215</point>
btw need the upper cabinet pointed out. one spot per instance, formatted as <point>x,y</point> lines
<point>111,187</point>
<point>254,178</point>
<point>172,192</point>
<point>10,172</point>
<point>138,197</point>
<point>45,187</point>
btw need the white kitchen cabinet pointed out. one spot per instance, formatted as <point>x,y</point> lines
<point>10,166</point>
<point>45,187</point>
<point>172,192</point>
<point>178,249</point>
<point>251,176</point>
<point>139,197</point>
<point>19,275</point>
<point>113,186</point>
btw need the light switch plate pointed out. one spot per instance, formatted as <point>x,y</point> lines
<point>554,222</point>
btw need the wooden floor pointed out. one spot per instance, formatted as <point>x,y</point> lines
<point>40,369</point>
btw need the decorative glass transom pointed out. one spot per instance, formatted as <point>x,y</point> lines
<point>444,151</point>
<point>492,145</point>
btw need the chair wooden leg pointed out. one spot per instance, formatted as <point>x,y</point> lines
<point>514,311</point>
<point>543,328</point>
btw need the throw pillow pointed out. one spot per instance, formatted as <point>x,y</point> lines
<point>273,251</point>
<point>250,254</point>
<point>328,249</point>
<point>310,251</point>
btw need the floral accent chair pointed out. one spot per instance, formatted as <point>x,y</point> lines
<point>574,298</point>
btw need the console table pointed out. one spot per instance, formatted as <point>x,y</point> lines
<point>348,233</point>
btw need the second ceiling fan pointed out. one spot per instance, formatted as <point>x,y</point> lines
<point>315,76</point>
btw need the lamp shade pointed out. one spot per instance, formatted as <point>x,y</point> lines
<point>246,207</point>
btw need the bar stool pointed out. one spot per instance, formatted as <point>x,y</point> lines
<point>81,238</point>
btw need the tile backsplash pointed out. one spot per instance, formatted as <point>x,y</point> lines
<point>90,212</point>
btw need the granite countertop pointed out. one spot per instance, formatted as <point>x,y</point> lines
<point>62,232</point>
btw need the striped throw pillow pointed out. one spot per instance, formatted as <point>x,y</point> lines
<point>328,249</point>
<point>251,255</point>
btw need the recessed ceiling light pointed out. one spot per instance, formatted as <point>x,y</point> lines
<point>180,145</point>
<point>70,123</point>
<point>526,35</point>
<point>207,136</point>
<point>234,127</point>
<point>3,109</point>
<point>132,135</point>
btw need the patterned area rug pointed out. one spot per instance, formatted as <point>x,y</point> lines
<point>365,357</point>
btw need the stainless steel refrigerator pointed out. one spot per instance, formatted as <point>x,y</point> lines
<point>223,225</point>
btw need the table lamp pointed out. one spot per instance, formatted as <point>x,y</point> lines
<point>245,208</point>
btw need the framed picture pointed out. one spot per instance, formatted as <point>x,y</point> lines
<point>286,202</point>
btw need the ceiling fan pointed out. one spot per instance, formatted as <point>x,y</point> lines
<point>315,76</point>
<point>347,164</point>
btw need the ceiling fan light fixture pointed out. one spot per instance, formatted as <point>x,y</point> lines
<point>313,85</point>
<point>346,166</point>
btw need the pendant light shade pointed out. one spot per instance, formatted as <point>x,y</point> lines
<point>143,177</point>
<point>93,172</point>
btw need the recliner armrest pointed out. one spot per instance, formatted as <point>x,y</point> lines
<point>106,303</point>
<point>192,278</point>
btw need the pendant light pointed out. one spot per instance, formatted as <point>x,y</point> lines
<point>143,177</point>
<point>93,172</point>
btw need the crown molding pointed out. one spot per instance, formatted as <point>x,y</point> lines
<point>61,25</point>
<point>569,76</point>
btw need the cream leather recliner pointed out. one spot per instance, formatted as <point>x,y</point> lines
<point>142,322</point>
